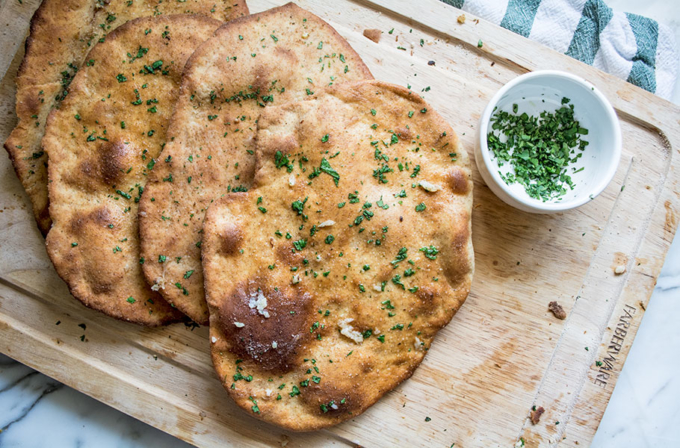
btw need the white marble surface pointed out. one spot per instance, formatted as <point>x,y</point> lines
<point>644,411</point>
<point>36,411</point>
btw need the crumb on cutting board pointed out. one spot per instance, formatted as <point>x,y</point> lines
<point>557,310</point>
<point>461,19</point>
<point>536,415</point>
<point>373,34</point>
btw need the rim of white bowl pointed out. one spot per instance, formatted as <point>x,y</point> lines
<point>611,117</point>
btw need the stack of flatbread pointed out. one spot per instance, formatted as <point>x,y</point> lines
<point>251,176</point>
<point>61,35</point>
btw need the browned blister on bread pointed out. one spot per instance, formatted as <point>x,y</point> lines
<point>61,34</point>
<point>102,143</point>
<point>328,281</point>
<point>252,63</point>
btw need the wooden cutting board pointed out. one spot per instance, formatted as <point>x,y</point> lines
<point>503,352</point>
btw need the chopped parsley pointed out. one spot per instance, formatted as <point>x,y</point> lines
<point>430,252</point>
<point>280,160</point>
<point>397,281</point>
<point>328,169</point>
<point>300,244</point>
<point>388,304</point>
<point>401,256</point>
<point>539,148</point>
<point>254,407</point>
<point>380,173</point>
<point>299,206</point>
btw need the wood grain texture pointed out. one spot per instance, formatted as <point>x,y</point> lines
<point>501,354</point>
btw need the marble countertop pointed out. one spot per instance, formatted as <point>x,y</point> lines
<point>644,410</point>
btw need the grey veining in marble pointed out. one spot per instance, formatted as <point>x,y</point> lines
<point>36,412</point>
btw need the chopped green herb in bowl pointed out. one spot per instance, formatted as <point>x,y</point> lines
<point>548,141</point>
<point>541,149</point>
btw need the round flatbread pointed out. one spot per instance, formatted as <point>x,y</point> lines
<point>61,34</point>
<point>102,143</point>
<point>328,281</point>
<point>252,63</point>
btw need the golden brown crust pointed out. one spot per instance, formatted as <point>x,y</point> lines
<point>396,256</point>
<point>101,143</point>
<point>268,58</point>
<point>61,32</point>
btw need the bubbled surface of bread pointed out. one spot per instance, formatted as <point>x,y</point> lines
<point>61,34</point>
<point>102,143</point>
<point>357,234</point>
<point>266,59</point>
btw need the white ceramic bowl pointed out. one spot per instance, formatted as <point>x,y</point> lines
<point>543,90</point>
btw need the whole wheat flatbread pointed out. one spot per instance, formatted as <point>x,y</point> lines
<point>328,281</point>
<point>102,142</point>
<point>266,59</point>
<point>61,33</point>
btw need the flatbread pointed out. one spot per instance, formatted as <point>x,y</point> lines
<point>102,142</point>
<point>328,281</point>
<point>61,33</point>
<point>266,59</point>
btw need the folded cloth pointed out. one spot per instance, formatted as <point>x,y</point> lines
<point>631,47</point>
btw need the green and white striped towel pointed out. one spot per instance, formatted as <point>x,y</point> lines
<point>631,47</point>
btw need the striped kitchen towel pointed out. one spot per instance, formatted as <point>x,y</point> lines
<point>631,47</point>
